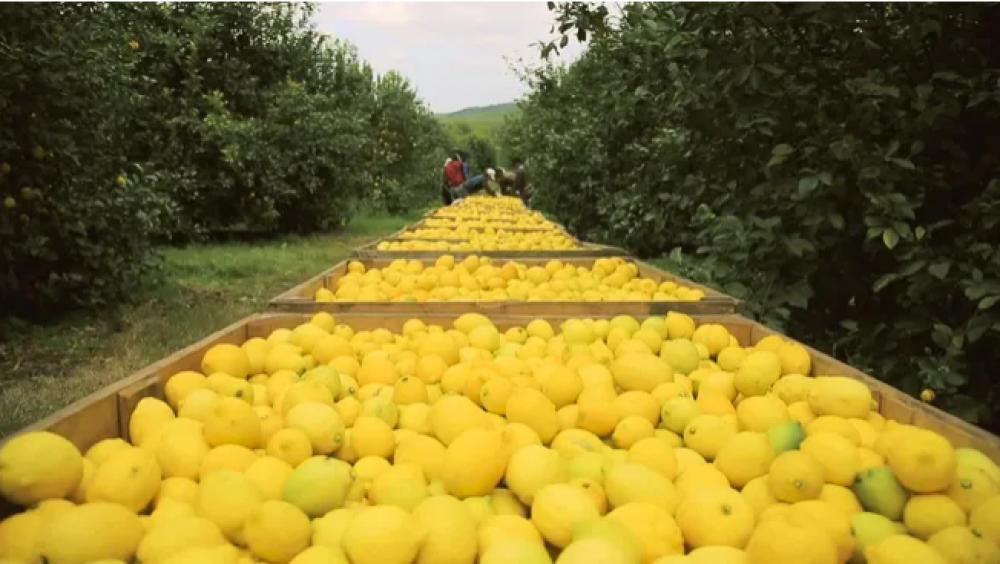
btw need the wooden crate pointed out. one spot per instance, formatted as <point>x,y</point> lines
<point>105,414</point>
<point>300,298</point>
<point>586,250</point>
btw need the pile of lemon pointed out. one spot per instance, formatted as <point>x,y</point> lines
<point>494,222</point>
<point>486,205</point>
<point>610,441</point>
<point>481,241</point>
<point>480,279</point>
<point>468,231</point>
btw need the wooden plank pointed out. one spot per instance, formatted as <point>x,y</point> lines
<point>301,297</point>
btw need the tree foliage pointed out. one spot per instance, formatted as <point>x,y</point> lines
<point>836,165</point>
<point>126,124</point>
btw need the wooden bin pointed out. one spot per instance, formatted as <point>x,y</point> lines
<point>300,298</point>
<point>105,414</point>
<point>586,250</point>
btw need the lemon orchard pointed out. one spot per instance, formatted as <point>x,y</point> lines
<point>654,442</point>
<point>478,278</point>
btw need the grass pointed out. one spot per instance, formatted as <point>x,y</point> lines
<point>201,289</point>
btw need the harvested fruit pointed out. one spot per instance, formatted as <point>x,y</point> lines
<point>553,442</point>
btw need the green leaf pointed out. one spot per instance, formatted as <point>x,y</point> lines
<point>836,220</point>
<point>920,232</point>
<point>939,269</point>
<point>903,163</point>
<point>782,150</point>
<point>850,325</point>
<point>988,302</point>
<point>825,178</point>
<point>807,185</point>
<point>884,281</point>
<point>890,238</point>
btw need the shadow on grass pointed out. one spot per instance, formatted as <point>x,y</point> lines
<point>200,289</point>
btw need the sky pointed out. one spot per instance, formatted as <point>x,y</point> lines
<point>457,54</point>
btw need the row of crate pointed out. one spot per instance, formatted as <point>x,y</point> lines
<point>105,414</point>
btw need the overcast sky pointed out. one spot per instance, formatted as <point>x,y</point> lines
<point>457,54</point>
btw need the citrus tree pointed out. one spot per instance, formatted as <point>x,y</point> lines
<point>123,125</point>
<point>829,163</point>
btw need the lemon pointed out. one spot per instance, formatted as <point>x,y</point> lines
<point>746,456</point>
<point>563,386</point>
<point>277,531</point>
<point>532,408</point>
<point>841,396</point>
<point>760,413</point>
<point>822,515</point>
<point>902,549</point>
<point>757,373</point>
<point>180,453</point>
<point>699,477</point>
<point>371,436</point>
<point>631,482</point>
<point>964,544</point>
<point>269,474</point>
<point>232,421</point>
<point>835,425</point>
<point>924,462</point>
<point>130,478</point>
<point>758,494</point>
<point>226,358</point>
<point>474,463</point>
<point>226,498</point>
<point>837,455</point>
<point>927,514</point>
<point>39,465</point>
<point>177,535</point>
<point>556,508</point>
<point>20,535</point>
<point>454,414</point>
<point>842,498</point>
<point>424,451</point>
<point>716,517</point>
<point>532,468</point>
<point>318,485</point>
<point>631,430</point>
<point>103,450</point>
<point>676,413</point>
<point>451,531</point>
<point>594,549</point>
<point>597,416</point>
<point>321,555</point>
<point>383,534</point>
<point>641,371</point>
<point>149,415</point>
<point>515,550</point>
<point>402,485</point>
<point>328,530</point>
<point>656,454</point>
<point>986,518</point>
<point>90,532</point>
<point>777,541</point>
<point>795,476</point>
<point>706,434</point>
<point>293,446</point>
<point>655,530</point>
<point>182,384</point>
<point>496,529</point>
<point>792,388</point>
<point>468,322</point>
<point>320,422</point>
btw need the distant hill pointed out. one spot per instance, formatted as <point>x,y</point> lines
<point>483,122</point>
<point>494,113</point>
